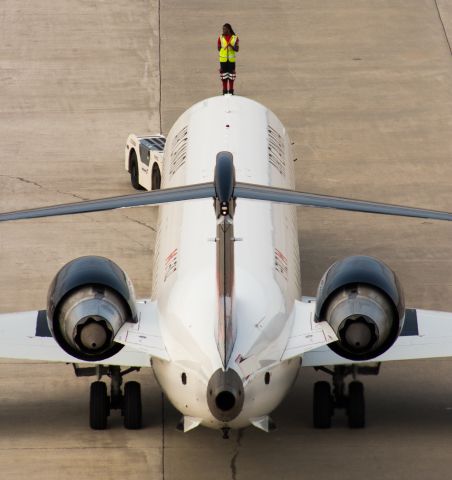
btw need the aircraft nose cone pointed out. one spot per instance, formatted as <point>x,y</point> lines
<point>225,395</point>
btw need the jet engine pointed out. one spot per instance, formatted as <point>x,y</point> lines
<point>89,300</point>
<point>362,300</point>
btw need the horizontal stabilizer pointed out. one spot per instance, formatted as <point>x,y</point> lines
<point>282,195</point>
<point>157,197</point>
<point>239,190</point>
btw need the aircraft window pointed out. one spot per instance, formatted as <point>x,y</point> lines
<point>145,154</point>
<point>157,143</point>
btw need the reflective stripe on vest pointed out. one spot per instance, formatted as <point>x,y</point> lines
<point>227,53</point>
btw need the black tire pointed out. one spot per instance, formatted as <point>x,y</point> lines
<point>356,407</point>
<point>99,406</point>
<point>132,406</point>
<point>156,177</point>
<point>323,407</point>
<point>134,180</point>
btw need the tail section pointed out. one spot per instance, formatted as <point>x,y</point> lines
<point>224,208</point>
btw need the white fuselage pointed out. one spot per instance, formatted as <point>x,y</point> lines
<point>267,266</point>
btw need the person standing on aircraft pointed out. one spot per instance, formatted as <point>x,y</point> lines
<point>228,45</point>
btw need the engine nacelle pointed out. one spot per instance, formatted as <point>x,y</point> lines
<point>362,300</point>
<point>89,300</point>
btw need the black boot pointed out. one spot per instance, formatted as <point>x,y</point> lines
<point>231,92</point>
<point>225,92</point>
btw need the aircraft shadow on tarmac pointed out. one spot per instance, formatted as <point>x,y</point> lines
<point>417,401</point>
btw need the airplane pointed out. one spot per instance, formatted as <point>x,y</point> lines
<point>227,327</point>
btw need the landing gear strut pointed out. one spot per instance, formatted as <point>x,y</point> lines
<point>100,404</point>
<point>327,400</point>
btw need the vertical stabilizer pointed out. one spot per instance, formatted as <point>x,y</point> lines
<point>224,208</point>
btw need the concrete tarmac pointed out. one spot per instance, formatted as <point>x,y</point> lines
<point>364,90</point>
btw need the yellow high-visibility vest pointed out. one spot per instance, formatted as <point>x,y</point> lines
<point>227,53</point>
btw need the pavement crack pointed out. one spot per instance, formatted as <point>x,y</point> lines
<point>120,233</point>
<point>21,179</point>
<point>83,199</point>
<point>233,463</point>
<point>78,197</point>
<point>141,223</point>
<point>36,184</point>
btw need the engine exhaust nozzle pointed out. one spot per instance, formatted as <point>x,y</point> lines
<point>225,395</point>
<point>90,318</point>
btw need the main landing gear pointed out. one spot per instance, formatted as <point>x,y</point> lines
<point>326,400</point>
<point>100,403</point>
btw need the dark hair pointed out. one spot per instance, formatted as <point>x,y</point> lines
<point>228,25</point>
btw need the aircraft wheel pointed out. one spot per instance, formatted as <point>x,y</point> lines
<point>156,177</point>
<point>356,406</point>
<point>323,407</point>
<point>99,407</point>
<point>132,406</point>
<point>134,175</point>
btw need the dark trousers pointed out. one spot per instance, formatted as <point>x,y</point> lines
<point>227,75</point>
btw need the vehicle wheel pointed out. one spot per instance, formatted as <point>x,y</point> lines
<point>99,408</point>
<point>156,177</point>
<point>134,171</point>
<point>132,405</point>
<point>323,407</point>
<point>356,407</point>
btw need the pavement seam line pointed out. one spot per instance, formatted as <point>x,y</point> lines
<point>160,67</point>
<point>163,436</point>
<point>442,23</point>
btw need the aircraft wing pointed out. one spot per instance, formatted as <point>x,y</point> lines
<point>144,336</point>
<point>426,334</point>
<point>307,334</point>
<point>26,336</point>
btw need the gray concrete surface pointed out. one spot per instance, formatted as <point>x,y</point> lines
<point>364,90</point>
